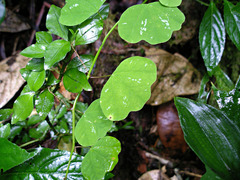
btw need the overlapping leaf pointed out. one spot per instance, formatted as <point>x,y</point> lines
<point>87,59</point>
<point>34,51</point>
<point>171,3</point>
<point>5,113</point>
<point>43,37</point>
<point>35,80</point>
<point>4,130</point>
<point>35,64</point>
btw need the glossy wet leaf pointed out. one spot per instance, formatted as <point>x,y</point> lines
<point>232,19</point>
<point>25,73</point>
<point>203,94</point>
<point>74,81</point>
<point>34,51</point>
<point>22,107</point>
<point>101,158</point>
<point>212,37</point>
<point>12,155</point>
<point>223,81</point>
<point>171,3</point>
<point>91,29</point>
<point>81,9</point>
<point>44,103</point>
<point>50,164</point>
<point>55,52</point>
<point>53,24</point>
<point>40,131</point>
<point>36,79</point>
<point>5,114</point>
<point>151,22</point>
<point>210,175</point>
<point>92,126</point>
<point>5,130</point>
<point>128,88</point>
<point>2,10</point>
<point>51,80</point>
<point>34,119</point>
<point>211,135</point>
<point>87,59</point>
<point>35,64</point>
<point>43,37</point>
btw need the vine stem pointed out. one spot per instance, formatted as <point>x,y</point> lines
<point>203,3</point>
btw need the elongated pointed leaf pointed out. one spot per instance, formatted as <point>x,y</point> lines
<point>50,164</point>
<point>92,126</point>
<point>210,175</point>
<point>171,3</point>
<point>22,107</point>
<point>212,37</point>
<point>43,37</point>
<point>81,9</point>
<point>5,130</point>
<point>34,51</point>
<point>151,22</point>
<point>223,81</point>
<point>129,87</point>
<point>212,136</point>
<point>101,158</point>
<point>35,80</point>
<point>232,19</point>
<point>55,52</point>
<point>53,24</point>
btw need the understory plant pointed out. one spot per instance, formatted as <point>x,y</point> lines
<point>56,62</point>
<point>211,125</point>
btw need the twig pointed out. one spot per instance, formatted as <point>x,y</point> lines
<point>79,57</point>
<point>190,174</point>
<point>161,160</point>
<point>203,3</point>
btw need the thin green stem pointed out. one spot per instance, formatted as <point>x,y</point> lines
<point>52,127</point>
<point>203,3</point>
<point>99,50</point>
<point>144,1</point>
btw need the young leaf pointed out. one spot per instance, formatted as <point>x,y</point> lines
<point>171,3</point>
<point>81,9</point>
<point>2,10</point>
<point>12,155</point>
<point>35,64</point>
<point>48,164</point>
<point>53,24</point>
<point>223,81</point>
<point>22,107</point>
<point>212,37</point>
<point>87,59</point>
<point>5,130</point>
<point>92,126</point>
<point>25,73</point>
<point>151,22</point>
<point>34,51</point>
<point>128,88</point>
<point>101,158</point>
<point>232,19</point>
<point>35,80</point>
<point>55,52</point>
<point>211,135</point>
<point>44,103</point>
<point>5,114</point>
<point>43,37</point>
<point>74,81</point>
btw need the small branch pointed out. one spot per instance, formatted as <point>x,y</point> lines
<point>144,1</point>
<point>79,57</point>
<point>51,126</point>
<point>202,3</point>
<point>190,174</point>
<point>96,77</point>
<point>161,160</point>
<point>57,97</point>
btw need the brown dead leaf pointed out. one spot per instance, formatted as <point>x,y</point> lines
<point>10,77</point>
<point>154,175</point>
<point>175,76</point>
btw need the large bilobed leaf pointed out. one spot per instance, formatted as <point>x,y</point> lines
<point>232,19</point>
<point>171,3</point>
<point>92,126</point>
<point>101,158</point>
<point>22,107</point>
<point>2,10</point>
<point>35,64</point>
<point>74,81</point>
<point>210,175</point>
<point>5,130</point>
<point>212,37</point>
<point>55,52</point>
<point>12,155</point>
<point>34,51</point>
<point>35,80</point>
<point>5,114</point>
<point>151,22</point>
<point>53,24</point>
<point>75,12</point>
<point>212,136</point>
<point>91,29</point>
<point>43,37</point>
<point>129,87</point>
<point>50,164</point>
<point>44,103</point>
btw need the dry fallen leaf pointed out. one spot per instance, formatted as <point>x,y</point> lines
<point>10,77</point>
<point>175,76</point>
<point>154,175</point>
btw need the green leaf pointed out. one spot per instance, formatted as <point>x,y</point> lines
<point>5,130</point>
<point>203,94</point>
<point>90,30</point>
<point>232,19</point>
<point>92,126</point>
<point>34,51</point>
<point>40,131</point>
<point>51,80</point>
<point>12,155</point>
<point>151,22</point>
<point>55,52</point>
<point>43,37</point>
<point>22,107</point>
<point>171,3</point>
<point>2,10</point>
<point>211,135</point>
<point>87,59</point>
<point>35,80</point>
<point>35,64</point>
<point>5,114</point>
<point>53,24</point>
<point>49,164</point>
<point>101,158</point>
<point>212,37</point>
<point>44,103</point>
<point>210,175</point>
<point>74,81</point>
<point>81,9</point>
<point>129,87</point>
<point>25,73</point>
<point>34,119</point>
